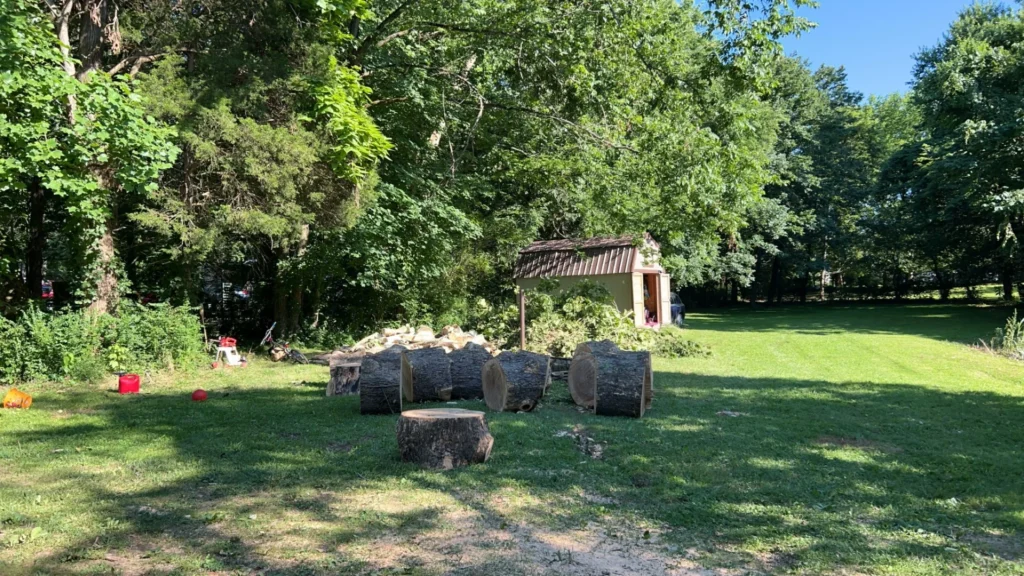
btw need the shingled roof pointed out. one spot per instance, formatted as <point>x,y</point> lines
<point>576,257</point>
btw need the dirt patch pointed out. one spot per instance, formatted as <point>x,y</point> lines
<point>1006,546</point>
<point>858,443</point>
<point>584,443</point>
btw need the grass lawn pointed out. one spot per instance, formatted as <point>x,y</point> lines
<point>853,440</point>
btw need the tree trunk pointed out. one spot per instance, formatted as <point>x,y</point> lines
<point>467,371</point>
<point>621,381</point>
<point>105,298</point>
<point>426,375</point>
<point>295,306</point>
<point>36,238</point>
<point>280,291</point>
<point>444,438</point>
<point>734,292</point>
<point>94,20</point>
<point>581,377</point>
<point>1006,277</point>
<point>804,285</point>
<point>773,285</point>
<point>515,381</point>
<point>380,382</point>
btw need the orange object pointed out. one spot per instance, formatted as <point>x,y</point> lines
<point>17,399</point>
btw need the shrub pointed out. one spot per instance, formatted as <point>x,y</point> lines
<point>1009,340</point>
<point>82,346</point>
<point>557,323</point>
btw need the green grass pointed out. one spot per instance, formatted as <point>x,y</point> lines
<point>869,440</point>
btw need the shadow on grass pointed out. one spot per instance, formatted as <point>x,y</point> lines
<point>826,475</point>
<point>954,322</point>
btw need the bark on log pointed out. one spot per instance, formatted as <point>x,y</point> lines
<point>621,379</point>
<point>515,381</point>
<point>380,382</point>
<point>444,438</point>
<point>426,375</point>
<point>581,376</point>
<point>467,368</point>
<point>344,380</point>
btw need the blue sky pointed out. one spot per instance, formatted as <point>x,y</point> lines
<point>875,39</point>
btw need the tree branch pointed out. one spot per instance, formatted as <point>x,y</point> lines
<point>371,38</point>
<point>585,130</point>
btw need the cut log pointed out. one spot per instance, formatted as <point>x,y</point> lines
<point>515,381</point>
<point>380,382</point>
<point>344,379</point>
<point>620,382</point>
<point>426,375</point>
<point>581,378</point>
<point>444,438</point>
<point>467,369</point>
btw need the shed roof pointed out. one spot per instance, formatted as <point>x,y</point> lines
<point>575,257</point>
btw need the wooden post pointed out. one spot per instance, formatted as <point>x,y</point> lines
<point>522,319</point>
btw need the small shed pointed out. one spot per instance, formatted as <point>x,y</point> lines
<point>631,272</point>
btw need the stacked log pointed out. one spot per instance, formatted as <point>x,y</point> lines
<point>444,438</point>
<point>380,382</point>
<point>581,376</point>
<point>515,381</point>
<point>426,375</point>
<point>467,368</point>
<point>618,382</point>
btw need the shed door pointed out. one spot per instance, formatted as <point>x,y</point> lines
<point>638,299</point>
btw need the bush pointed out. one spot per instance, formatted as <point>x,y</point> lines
<point>557,323</point>
<point>1009,340</point>
<point>82,346</point>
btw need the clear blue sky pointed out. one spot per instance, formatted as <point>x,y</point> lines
<point>875,39</point>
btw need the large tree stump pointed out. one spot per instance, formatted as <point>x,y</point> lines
<point>344,379</point>
<point>620,382</point>
<point>444,438</point>
<point>581,377</point>
<point>515,381</point>
<point>426,375</point>
<point>380,382</point>
<point>467,367</point>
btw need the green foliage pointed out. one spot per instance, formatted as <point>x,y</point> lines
<point>82,346</point>
<point>1009,339</point>
<point>558,322</point>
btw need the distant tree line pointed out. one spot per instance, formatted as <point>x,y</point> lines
<point>338,164</point>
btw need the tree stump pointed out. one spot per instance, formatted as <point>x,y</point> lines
<point>444,438</point>
<point>380,382</point>
<point>515,381</point>
<point>620,382</point>
<point>344,379</point>
<point>581,377</point>
<point>467,368</point>
<point>426,375</point>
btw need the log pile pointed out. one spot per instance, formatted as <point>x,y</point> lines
<point>444,438</point>
<point>426,375</point>
<point>450,338</point>
<point>611,381</point>
<point>515,381</point>
<point>380,382</point>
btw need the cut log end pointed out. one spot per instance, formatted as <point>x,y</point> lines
<point>444,438</point>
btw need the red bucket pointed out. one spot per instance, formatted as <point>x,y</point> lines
<point>128,384</point>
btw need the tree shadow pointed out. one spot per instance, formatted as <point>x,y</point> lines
<point>822,475</point>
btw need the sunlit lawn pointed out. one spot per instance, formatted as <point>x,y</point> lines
<point>849,439</point>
